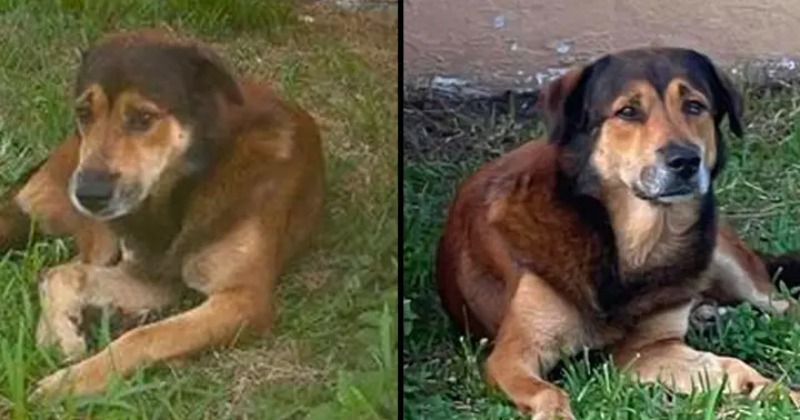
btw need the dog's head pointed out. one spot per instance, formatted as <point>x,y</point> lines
<point>142,106</point>
<point>645,121</point>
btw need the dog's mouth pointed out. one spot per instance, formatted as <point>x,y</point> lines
<point>661,186</point>
<point>112,211</point>
<point>119,201</point>
<point>668,197</point>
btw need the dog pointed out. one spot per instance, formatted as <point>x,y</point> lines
<point>179,176</point>
<point>605,234</point>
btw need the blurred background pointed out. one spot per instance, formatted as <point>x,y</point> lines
<point>509,43</point>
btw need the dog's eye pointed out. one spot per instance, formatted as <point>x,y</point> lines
<point>629,113</point>
<point>694,107</point>
<point>84,114</point>
<point>139,120</point>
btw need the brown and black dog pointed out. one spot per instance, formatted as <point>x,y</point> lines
<point>605,235</point>
<point>179,175</point>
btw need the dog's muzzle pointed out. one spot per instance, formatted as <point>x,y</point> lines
<point>94,189</point>
<point>679,174</point>
<point>101,194</point>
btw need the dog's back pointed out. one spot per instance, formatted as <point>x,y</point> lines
<point>477,266</point>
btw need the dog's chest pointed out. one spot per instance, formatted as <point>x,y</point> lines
<point>626,292</point>
<point>149,262</point>
<point>653,258</point>
<point>147,244</point>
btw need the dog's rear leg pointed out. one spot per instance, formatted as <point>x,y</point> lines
<point>40,200</point>
<point>655,352</point>
<point>539,327</point>
<point>15,224</point>
<point>738,274</point>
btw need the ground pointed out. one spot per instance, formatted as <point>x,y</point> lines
<point>333,353</point>
<point>445,137</point>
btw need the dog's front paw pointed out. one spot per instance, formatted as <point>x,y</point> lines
<point>54,385</point>
<point>548,404</point>
<point>88,377</point>
<point>63,333</point>
<point>794,396</point>
<point>59,323</point>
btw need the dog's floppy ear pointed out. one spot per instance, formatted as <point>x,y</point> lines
<point>84,55</point>
<point>209,74</point>
<point>731,101</point>
<point>727,99</point>
<point>562,103</point>
<point>553,94</point>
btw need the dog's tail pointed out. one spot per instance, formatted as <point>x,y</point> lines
<point>16,228</point>
<point>783,268</point>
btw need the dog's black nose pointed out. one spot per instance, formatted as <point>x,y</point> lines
<point>683,160</point>
<point>94,188</point>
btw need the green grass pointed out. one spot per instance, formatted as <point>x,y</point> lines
<point>333,353</point>
<point>759,192</point>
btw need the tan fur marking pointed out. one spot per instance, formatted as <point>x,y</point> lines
<point>645,232</point>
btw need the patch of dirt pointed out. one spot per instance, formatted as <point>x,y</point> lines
<point>362,4</point>
<point>448,126</point>
<point>315,271</point>
<point>253,367</point>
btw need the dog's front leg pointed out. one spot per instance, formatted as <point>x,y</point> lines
<point>236,274</point>
<point>539,327</point>
<point>655,352</point>
<point>215,321</point>
<point>65,290</point>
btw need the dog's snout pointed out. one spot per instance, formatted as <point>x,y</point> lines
<point>94,188</point>
<point>682,159</point>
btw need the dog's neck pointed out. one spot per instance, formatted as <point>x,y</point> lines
<point>155,223</point>
<point>649,234</point>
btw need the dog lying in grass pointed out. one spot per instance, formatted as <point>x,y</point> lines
<point>178,175</point>
<point>606,234</point>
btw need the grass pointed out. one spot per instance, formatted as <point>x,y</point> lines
<point>333,353</point>
<point>445,138</point>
